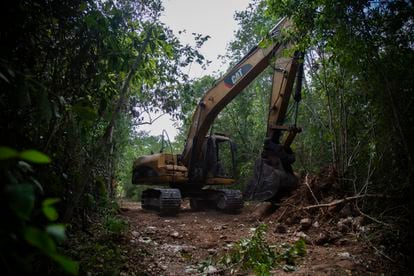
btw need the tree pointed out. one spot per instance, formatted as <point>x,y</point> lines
<point>359,63</point>
<point>74,75</point>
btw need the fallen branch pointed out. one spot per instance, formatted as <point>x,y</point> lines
<point>313,195</point>
<point>339,201</point>
<point>381,253</point>
<point>307,185</point>
<point>369,217</point>
<point>281,216</point>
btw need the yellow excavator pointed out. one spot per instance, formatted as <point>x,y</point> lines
<point>194,173</point>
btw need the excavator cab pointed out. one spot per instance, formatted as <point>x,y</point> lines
<point>219,159</point>
<point>216,164</point>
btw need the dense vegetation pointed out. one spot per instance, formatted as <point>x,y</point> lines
<point>78,77</point>
<point>357,103</point>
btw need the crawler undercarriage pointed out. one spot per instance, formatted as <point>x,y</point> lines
<point>167,201</point>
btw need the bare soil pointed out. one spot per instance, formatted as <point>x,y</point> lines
<point>177,245</point>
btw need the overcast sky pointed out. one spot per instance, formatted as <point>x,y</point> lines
<point>208,17</point>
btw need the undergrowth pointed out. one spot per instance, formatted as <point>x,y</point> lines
<point>115,225</point>
<point>99,249</point>
<point>255,255</point>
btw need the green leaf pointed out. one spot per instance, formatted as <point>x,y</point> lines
<point>300,247</point>
<point>45,243</point>
<point>169,50</point>
<point>90,21</point>
<point>7,153</point>
<point>48,210</point>
<point>21,199</point>
<point>50,201</point>
<point>40,240</point>
<point>84,112</point>
<point>70,266</point>
<point>35,156</point>
<point>264,43</point>
<point>57,231</point>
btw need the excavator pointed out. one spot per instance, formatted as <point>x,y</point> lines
<point>196,172</point>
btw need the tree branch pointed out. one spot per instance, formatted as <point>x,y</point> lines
<point>339,201</point>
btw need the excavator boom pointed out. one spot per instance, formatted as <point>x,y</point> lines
<point>225,89</point>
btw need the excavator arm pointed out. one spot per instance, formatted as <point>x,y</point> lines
<point>273,176</point>
<point>230,85</point>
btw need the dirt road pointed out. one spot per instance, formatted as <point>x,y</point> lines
<point>178,245</point>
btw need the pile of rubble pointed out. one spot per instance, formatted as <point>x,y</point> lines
<point>318,211</point>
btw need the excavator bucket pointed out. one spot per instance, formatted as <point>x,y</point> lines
<point>269,183</point>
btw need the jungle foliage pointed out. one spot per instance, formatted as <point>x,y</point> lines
<point>357,96</point>
<point>78,78</point>
<point>357,99</point>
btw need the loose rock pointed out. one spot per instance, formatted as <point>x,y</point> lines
<point>344,255</point>
<point>305,223</point>
<point>212,251</point>
<point>175,234</point>
<point>303,236</point>
<point>211,269</point>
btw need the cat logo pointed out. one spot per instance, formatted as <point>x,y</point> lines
<point>231,79</point>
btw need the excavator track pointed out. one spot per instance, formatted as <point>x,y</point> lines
<point>225,200</point>
<point>165,201</point>
<point>229,201</point>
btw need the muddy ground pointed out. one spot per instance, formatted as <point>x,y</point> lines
<point>178,245</point>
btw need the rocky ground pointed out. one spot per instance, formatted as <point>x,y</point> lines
<point>178,245</point>
<point>339,238</point>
